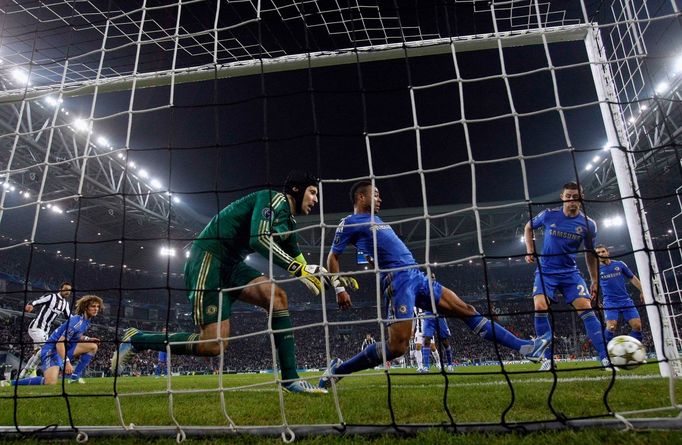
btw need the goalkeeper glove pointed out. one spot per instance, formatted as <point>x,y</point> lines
<point>344,283</point>
<point>308,274</point>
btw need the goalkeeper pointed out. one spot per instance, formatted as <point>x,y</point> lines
<point>259,222</point>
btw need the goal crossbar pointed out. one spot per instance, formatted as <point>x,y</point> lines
<point>294,62</point>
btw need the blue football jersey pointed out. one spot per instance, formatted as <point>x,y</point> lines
<point>357,230</point>
<point>72,330</point>
<point>612,279</point>
<point>562,239</point>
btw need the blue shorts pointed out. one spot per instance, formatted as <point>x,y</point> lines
<point>405,289</point>
<point>571,285</point>
<point>49,356</point>
<point>612,308</point>
<point>162,357</point>
<point>430,327</point>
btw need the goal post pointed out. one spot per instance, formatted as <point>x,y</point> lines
<point>640,236</point>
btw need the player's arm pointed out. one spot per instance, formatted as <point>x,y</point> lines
<point>592,259</point>
<point>531,225</point>
<point>638,284</point>
<point>42,300</point>
<point>342,295</point>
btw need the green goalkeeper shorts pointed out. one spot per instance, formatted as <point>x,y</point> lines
<point>205,275</point>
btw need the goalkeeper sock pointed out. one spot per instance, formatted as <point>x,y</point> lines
<point>542,326</point>
<point>369,358</point>
<point>593,329</point>
<point>83,362</point>
<point>31,364</point>
<point>636,334</point>
<point>426,356</point>
<point>448,355</point>
<point>156,341</point>
<point>608,335</point>
<point>284,342</point>
<point>484,327</point>
<point>29,381</point>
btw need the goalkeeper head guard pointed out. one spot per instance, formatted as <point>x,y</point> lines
<point>300,181</point>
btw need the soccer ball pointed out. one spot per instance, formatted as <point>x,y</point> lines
<point>626,352</point>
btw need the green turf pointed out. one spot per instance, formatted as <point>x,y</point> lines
<point>474,395</point>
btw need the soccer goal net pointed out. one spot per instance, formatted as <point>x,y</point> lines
<point>125,127</point>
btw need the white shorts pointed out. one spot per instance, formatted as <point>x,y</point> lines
<point>38,336</point>
<point>418,338</point>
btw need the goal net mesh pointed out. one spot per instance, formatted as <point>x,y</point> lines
<point>125,126</point>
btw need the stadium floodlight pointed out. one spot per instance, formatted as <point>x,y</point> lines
<point>20,76</point>
<point>677,67</point>
<point>131,164</point>
<point>167,251</point>
<point>607,146</point>
<point>588,167</point>
<point>6,185</point>
<point>101,140</point>
<point>662,87</point>
<point>80,124</point>
<point>56,209</point>
<point>522,239</point>
<point>12,188</point>
<point>187,254</point>
<point>614,221</point>
<point>155,183</point>
<point>176,199</point>
<point>632,120</point>
<point>53,101</point>
<point>144,174</point>
<point>596,159</point>
<point>27,194</point>
<point>644,108</point>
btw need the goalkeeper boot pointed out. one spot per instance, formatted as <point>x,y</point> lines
<point>536,351</point>
<point>303,387</point>
<point>328,376</point>
<point>125,352</point>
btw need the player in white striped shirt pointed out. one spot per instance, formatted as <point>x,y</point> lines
<point>50,306</point>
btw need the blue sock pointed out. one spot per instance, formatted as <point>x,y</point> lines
<point>608,335</point>
<point>542,326</point>
<point>483,327</point>
<point>29,381</point>
<point>636,334</point>
<point>593,329</point>
<point>366,359</point>
<point>448,356</point>
<point>83,362</point>
<point>426,358</point>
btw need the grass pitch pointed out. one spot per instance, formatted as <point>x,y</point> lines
<point>471,395</point>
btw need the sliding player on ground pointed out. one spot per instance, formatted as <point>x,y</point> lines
<point>68,342</point>
<point>403,289</point>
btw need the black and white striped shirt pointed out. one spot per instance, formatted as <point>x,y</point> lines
<point>52,305</point>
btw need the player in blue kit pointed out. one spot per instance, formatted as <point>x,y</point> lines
<point>161,368</point>
<point>68,341</point>
<point>431,326</point>
<point>404,286</point>
<point>612,275</point>
<point>566,228</point>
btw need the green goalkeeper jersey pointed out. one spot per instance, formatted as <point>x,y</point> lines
<point>255,223</point>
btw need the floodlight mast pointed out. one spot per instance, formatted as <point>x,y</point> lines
<point>640,238</point>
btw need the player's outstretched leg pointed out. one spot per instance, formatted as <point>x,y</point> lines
<point>31,364</point>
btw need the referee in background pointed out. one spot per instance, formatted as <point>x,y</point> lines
<point>50,306</point>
